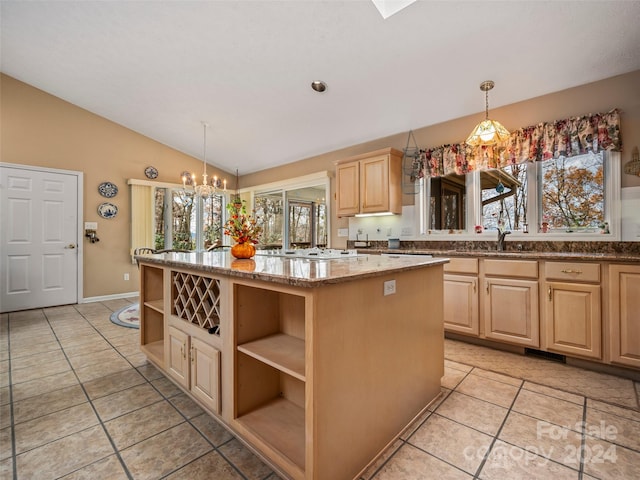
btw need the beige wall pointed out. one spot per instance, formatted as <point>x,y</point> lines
<point>621,92</point>
<point>42,130</point>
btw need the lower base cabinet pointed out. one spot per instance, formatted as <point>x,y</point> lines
<point>195,365</point>
<point>511,311</point>
<point>573,319</point>
<point>461,304</point>
<point>625,314</point>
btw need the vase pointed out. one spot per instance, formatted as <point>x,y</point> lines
<point>243,250</point>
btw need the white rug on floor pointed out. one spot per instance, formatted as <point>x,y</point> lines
<point>128,316</point>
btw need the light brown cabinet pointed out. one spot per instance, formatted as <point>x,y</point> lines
<point>195,365</point>
<point>510,303</point>
<point>624,285</point>
<point>572,312</point>
<point>370,183</point>
<point>461,311</point>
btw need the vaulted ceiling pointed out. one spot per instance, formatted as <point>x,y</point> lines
<point>160,68</point>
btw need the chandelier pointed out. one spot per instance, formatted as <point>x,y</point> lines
<point>205,189</point>
<point>487,132</point>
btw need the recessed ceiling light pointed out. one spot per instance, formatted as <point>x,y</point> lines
<point>319,86</point>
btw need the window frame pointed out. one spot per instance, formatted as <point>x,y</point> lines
<point>168,221</point>
<point>612,172</point>
<point>317,179</point>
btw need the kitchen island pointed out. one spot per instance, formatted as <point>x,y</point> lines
<point>318,365</point>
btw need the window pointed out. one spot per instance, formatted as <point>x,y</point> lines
<point>294,212</point>
<point>270,207</point>
<point>179,216</point>
<point>561,196</point>
<point>447,202</point>
<point>572,192</point>
<point>504,198</point>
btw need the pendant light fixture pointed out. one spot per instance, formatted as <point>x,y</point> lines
<point>487,132</point>
<point>205,189</point>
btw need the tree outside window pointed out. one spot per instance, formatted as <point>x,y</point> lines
<point>572,192</point>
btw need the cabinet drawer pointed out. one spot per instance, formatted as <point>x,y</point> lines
<point>511,268</point>
<point>462,265</point>
<point>574,271</point>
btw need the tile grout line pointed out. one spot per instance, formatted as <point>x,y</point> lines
<point>100,422</point>
<point>495,437</point>
<point>583,440</point>
<point>14,459</point>
<point>425,420</point>
<point>186,419</point>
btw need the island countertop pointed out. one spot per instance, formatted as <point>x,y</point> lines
<point>301,272</point>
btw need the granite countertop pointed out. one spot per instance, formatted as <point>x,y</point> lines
<point>527,255</point>
<point>301,272</point>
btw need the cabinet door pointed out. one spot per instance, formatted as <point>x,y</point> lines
<point>461,304</point>
<point>573,319</point>
<point>348,188</point>
<point>177,362</point>
<point>205,374</point>
<point>511,311</point>
<point>625,314</point>
<point>374,184</point>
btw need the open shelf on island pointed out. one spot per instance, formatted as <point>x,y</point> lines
<point>157,305</point>
<point>152,313</point>
<point>155,351</point>
<point>279,423</point>
<point>283,352</point>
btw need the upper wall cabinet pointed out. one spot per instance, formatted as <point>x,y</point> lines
<point>370,183</point>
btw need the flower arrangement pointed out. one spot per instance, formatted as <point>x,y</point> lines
<point>241,226</point>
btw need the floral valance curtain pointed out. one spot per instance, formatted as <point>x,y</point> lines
<point>569,137</point>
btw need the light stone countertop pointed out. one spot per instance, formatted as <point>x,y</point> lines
<point>301,272</point>
<point>525,255</point>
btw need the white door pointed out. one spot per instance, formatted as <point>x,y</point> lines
<point>39,222</point>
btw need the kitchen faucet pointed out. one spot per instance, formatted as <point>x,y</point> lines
<point>501,235</point>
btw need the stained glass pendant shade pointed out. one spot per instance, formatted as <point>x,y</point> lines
<point>487,132</point>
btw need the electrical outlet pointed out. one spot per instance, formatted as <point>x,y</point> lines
<point>126,276</point>
<point>389,287</point>
<point>406,231</point>
<point>91,226</point>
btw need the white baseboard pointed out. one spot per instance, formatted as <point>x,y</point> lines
<point>115,296</point>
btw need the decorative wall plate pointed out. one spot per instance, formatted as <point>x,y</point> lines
<point>151,172</point>
<point>187,176</point>
<point>108,189</point>
<point>107,210</point>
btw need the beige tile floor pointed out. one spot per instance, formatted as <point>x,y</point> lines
<point>79,401</point>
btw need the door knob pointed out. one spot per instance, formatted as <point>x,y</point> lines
<point>71,246</point>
